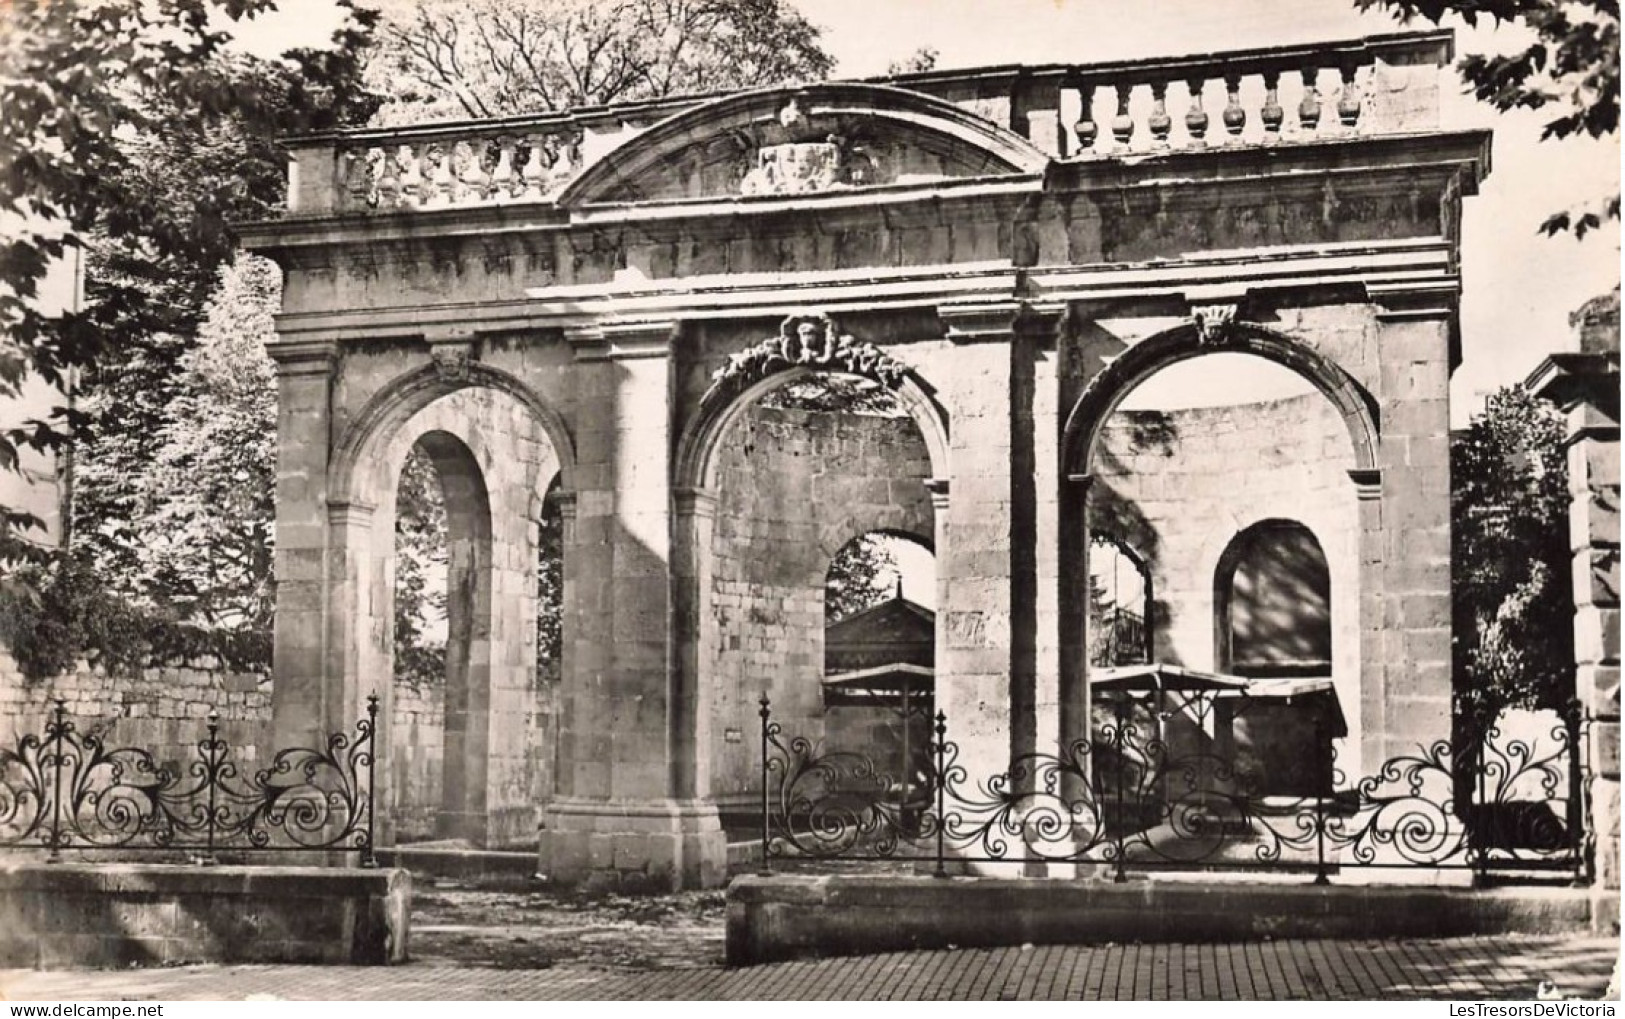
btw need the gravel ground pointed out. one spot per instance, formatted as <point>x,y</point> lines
<point>533,927</point>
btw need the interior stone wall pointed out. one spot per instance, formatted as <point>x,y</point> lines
<point>793,487</point>
<point>1178,486</point>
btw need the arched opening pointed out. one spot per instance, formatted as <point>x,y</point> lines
<point>1224,478</point>
<point>440,616</point>
<point>1120,604</point>
<point>1272,596</point>
<point>477,736</point>
<point>879,682</point>
<point>808,469</point>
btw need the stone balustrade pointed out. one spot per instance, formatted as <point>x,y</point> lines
<point>1258,97</point>
<point>1376,85</point>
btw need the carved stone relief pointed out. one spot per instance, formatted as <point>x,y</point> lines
<point>810,341</point>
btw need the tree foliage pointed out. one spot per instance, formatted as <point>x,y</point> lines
<point>509,57</point>
<point>1570,69</point>
<point>131,132</point>
<point>1513,607</point>
<point>861,576</point>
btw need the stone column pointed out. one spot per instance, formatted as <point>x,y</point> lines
<point>303,708</point>
<point>1405,656</point>
<point>619,820</point>
<point>1585,383</point>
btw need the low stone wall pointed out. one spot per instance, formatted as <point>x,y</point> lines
<point>786,917</point>
<point>57,916</point>
<point>162,710</point>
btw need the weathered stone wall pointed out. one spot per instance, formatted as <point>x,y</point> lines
<point>793,487</point>
<point>164,710</point>
<point>1178,486</point>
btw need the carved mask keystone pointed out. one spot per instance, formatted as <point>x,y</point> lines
<point>810,341</point>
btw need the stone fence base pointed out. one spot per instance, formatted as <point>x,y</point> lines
<point>67,915</point>
<point>786,917</point>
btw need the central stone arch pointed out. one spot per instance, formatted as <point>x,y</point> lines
<point>804,345</point>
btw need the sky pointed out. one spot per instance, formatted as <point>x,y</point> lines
<point>1518,286</point>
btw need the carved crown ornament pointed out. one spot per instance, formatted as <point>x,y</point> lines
<point>803,154</point>
<point>810,341</point>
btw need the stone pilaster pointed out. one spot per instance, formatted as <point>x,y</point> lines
<point>303,707</point>
<point>1586,384</point>
<point>619,820</point>
<point>1404,517</point>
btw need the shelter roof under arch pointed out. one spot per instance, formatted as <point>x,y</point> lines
<point>803,140</point>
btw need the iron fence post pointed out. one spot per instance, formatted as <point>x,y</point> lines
<point>211,776</point>
<point>56,735</point>
<point>1119,740</point>
<point>941,780</point>
<point>369,856</point>
<point>1323,779</point>
<point>766,713</point>
<point>1478,817</point>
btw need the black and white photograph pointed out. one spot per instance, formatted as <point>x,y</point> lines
<point>784,500</point>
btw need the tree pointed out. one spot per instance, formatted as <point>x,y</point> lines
<point>855,581</point>
<point>510,57</point>
<point>921,60</point>
<point>1570,68</point>
<point>133,134</point>
<point>1514,643</point>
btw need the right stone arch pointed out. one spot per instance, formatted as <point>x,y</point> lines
<point>1357,575</point>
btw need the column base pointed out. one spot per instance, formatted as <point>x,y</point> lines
<point>502,828</point>
<point>634,845</point>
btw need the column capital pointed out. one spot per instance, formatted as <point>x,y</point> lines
<point>938,487</point>
<point>694,501</point>
<point>992,321</point>
<point>350,514</point>
<point>304,357</point>
<point>621,341</point>
<point>566,502</point>
<point>1083,481</point>
<point>1420,300</point>
<point>1367,482</point>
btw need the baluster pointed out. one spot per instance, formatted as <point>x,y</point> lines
<point>356,166</point>
<point>1123,123</point>
<point>412,177</point>
<point>1159,122</point>
<point>504,184</point>
<point>1196,117</point>
<point>439,181</point>
<point>390,178</point>
<point>1272,115</point>
<point>534,171</point>
<point>474,181</point>
<point>1348,100</point>
<point>1309,105</point>
<point>1087,130</point>
<point>1235,118</point>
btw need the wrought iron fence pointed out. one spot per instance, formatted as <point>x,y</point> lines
<point>68,790</point>
<point>1135,796</point>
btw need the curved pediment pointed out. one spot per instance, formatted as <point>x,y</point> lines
<point>803,140</point>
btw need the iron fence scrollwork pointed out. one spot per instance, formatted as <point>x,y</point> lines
<point>67,789</point>
<point>1154,786</point>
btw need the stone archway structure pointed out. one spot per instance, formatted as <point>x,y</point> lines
<point>609,285</point>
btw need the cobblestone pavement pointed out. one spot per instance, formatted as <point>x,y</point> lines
<point>1456,968</point>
